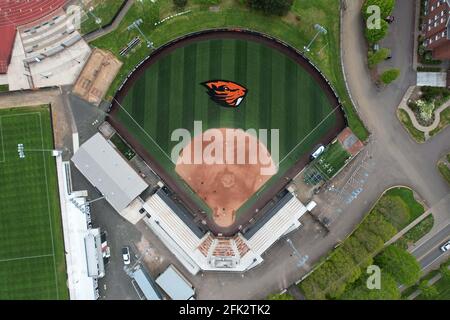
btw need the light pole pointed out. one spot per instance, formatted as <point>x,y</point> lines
<point>97,19</point>
<point>135,25</point>
<point>320,30</point>
<point>301,259</point>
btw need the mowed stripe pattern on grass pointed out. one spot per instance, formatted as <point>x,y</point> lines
<point>31,246</point>
<point>281,95</point>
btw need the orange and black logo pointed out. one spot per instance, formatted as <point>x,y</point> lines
<point>226,93</point>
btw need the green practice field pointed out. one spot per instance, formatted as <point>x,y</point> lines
<point>32,264</point>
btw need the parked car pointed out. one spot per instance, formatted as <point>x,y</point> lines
<point>126,255</point>
<point>446,246</point>
<point>317,152</point>
<point>389,19</point>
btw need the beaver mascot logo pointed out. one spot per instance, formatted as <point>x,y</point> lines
<point>226,93</point>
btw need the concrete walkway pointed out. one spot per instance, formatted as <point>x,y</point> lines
<point>113,26</point>
<point>437,113</point>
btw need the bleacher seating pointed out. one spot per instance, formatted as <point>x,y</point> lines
<point>15,13</point>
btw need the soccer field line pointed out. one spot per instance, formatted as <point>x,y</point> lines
<point>307,136</point>
<point>48,207</point>
<point>143,130</point>
<point>27,257</point>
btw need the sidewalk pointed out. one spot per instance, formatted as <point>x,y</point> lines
<point>437,113</point>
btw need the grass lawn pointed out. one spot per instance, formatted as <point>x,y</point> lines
<point>122,147</point>
<point>416,232</point>
<point>4,87</point>
<point>445,121</point>
<point>295,31</point>
<point>32,264</point>
<point>445,171</point>
<point>417,135</point>
<point>103,9</point>
<point>416,209</point>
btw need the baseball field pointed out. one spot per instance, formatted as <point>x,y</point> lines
<point>32,264</point>
<point>283,93</point>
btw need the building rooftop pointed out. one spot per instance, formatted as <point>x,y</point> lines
<point>109,172</point>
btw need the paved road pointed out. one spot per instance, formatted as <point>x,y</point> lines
<point>429,251</point>
<point>400,160</point>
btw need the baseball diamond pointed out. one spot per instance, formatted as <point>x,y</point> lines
<point>284,91</point>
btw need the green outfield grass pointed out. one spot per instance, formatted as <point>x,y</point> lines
<point>32,264</point>
<point>281,95</point>
<point>296,29</point>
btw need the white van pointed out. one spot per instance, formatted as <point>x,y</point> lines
<point>319,150</point>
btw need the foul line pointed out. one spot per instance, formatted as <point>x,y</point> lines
<point>279,163</point>
<point>28,257</point>
<point>143,130</point>
<point>301,141</point>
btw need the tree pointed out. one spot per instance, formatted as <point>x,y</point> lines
<point>389,75</point>
<point>271,7</point>
<point>428,291</point>
<point>180,3</point>
<point>378,56</point>
<point>445,271</point>
<point>386,7</point>
<point>374,35</point>
<point>359,291</point>
<point>402,265</point>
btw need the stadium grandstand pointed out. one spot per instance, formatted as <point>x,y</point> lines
<point>15,13</point>
<point>189,240</point>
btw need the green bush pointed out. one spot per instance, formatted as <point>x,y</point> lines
<point>271,7</point>
<point>389,75</point>
<point>386,7</point>
<point>402,265</point>
<point>427,291</point>
<point>394,210</point>
<point>359,291</point>
<point>378,56</point>
<point>375,35</point>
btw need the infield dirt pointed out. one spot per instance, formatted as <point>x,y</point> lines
<point>225,187</point>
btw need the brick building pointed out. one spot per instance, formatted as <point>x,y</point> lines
<point>436,26</point>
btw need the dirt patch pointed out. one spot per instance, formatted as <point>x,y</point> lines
<point>96,76</point>
<point>230,172</point>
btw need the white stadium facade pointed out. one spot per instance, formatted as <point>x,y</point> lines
<point>196,248</point>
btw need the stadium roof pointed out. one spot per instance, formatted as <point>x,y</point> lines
<point>108,171</point>
<point>146,284</point>
<point>19,13</point>
<point>174,284</point>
